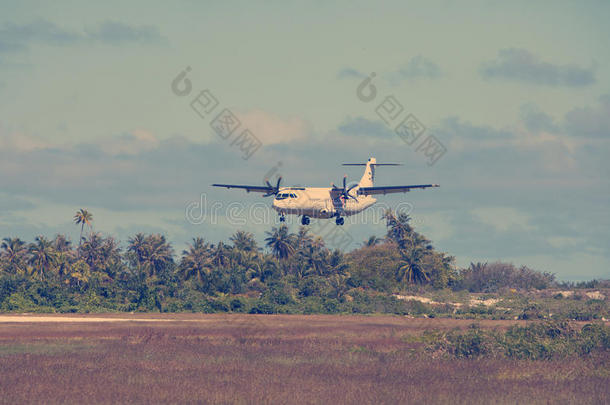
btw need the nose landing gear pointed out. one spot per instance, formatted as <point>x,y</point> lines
<point>282,218</point>
<point>339,221</point>
<point>305,220</point>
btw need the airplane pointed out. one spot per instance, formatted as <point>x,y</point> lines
<point>328,202</point>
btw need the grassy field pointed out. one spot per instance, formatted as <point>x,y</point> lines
<point>274,359</point>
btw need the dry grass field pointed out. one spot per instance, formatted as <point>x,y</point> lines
<point>271,359</point>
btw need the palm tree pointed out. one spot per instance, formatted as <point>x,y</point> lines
<point>281,242</point>
<point>82,218</point>
<point>65,254</point>
<point>399,228</point>
<point>151,253</point>
<point>161,253</point>
<point>263,268</point>
<point>411,268</point>
<point>303,238</point>
<point>91,251</point>
<point>79,273</point>
<point>196,261</point>
<point>111,260</point>
<point>335,263</point>
<point>13,253</point>
<point>312,257</point>
<point>137,246</point>
<point>372,241</point>
<point>61,243</point>
<point>337,283</point>
<point>221,256</point>
<point>244,241</point>
<point>42,255</point>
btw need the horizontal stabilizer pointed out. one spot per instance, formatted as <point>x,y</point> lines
<point>392,189</point>
<point>372,164</point>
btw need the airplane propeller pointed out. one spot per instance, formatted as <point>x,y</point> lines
<point>273,190</point>
<point>345,191</point>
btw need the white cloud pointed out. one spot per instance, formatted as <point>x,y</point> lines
<point>137,141</point>
<point>272,129</point>
<point>564,241</point>
<point>503,218</point>
<point>20,142</point>
<point>437,226</point>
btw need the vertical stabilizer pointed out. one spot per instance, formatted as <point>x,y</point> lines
<point>369,174</point>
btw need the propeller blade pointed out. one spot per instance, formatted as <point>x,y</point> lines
<point>273,190</point>
<point>277,187</point>
<point>344,180</point>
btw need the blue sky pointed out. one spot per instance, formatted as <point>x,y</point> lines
<point>517,93</point>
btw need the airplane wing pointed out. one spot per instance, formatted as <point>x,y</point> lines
<point>392,189</point>
<point>256,189</point>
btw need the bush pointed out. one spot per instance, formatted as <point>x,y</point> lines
<point>491,277</point>
<point>236,305</point>
<point>263,308</point>
<point>473,343</point>
<point>536,341</point>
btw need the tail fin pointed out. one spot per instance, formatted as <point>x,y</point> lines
<point>369,172</point>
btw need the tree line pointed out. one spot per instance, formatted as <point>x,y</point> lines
<point>293,270</point>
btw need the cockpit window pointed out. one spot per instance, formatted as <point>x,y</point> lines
<point>281,196</point>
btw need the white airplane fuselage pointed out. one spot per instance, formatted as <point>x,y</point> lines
<point>318,202</point>
<point>328,202</point>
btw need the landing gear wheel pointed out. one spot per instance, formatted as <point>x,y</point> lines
<point>282,218</point>
<point>305,220</point>
<point>339,221</point>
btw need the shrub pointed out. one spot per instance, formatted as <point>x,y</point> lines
<point>263,308</point>
<point>536,341</point>
<point>473,343</point>
<point>491,277</point>
<point>236,305</point>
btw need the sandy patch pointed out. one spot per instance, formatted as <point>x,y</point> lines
<point>473,302</point>
<point>55,319</point>
<point>416,298</point>
<point>488,303</point>
<point>595,295</point>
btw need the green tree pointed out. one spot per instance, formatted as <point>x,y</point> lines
<point>102,255</point>
<point>244,241</point>
<point>159,254</point>
<point>151,254</point>
<point>221,255</point>
<point>82,218</point>
<point>13,255</point>
<point>196,261</point>
<point>411,268</point>
<point>65,256</point>
<point>281,242</point>
<point>372,241</point>
<point>137,246</point>
<point>42,256</point>
<point>91,251</point>
<point>399,229</point>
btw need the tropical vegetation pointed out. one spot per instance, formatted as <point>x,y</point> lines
<point>292,272</point>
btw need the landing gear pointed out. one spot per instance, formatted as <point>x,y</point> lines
<point>305,220</point>
<point>339,221</point>
<point>282,218</point>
